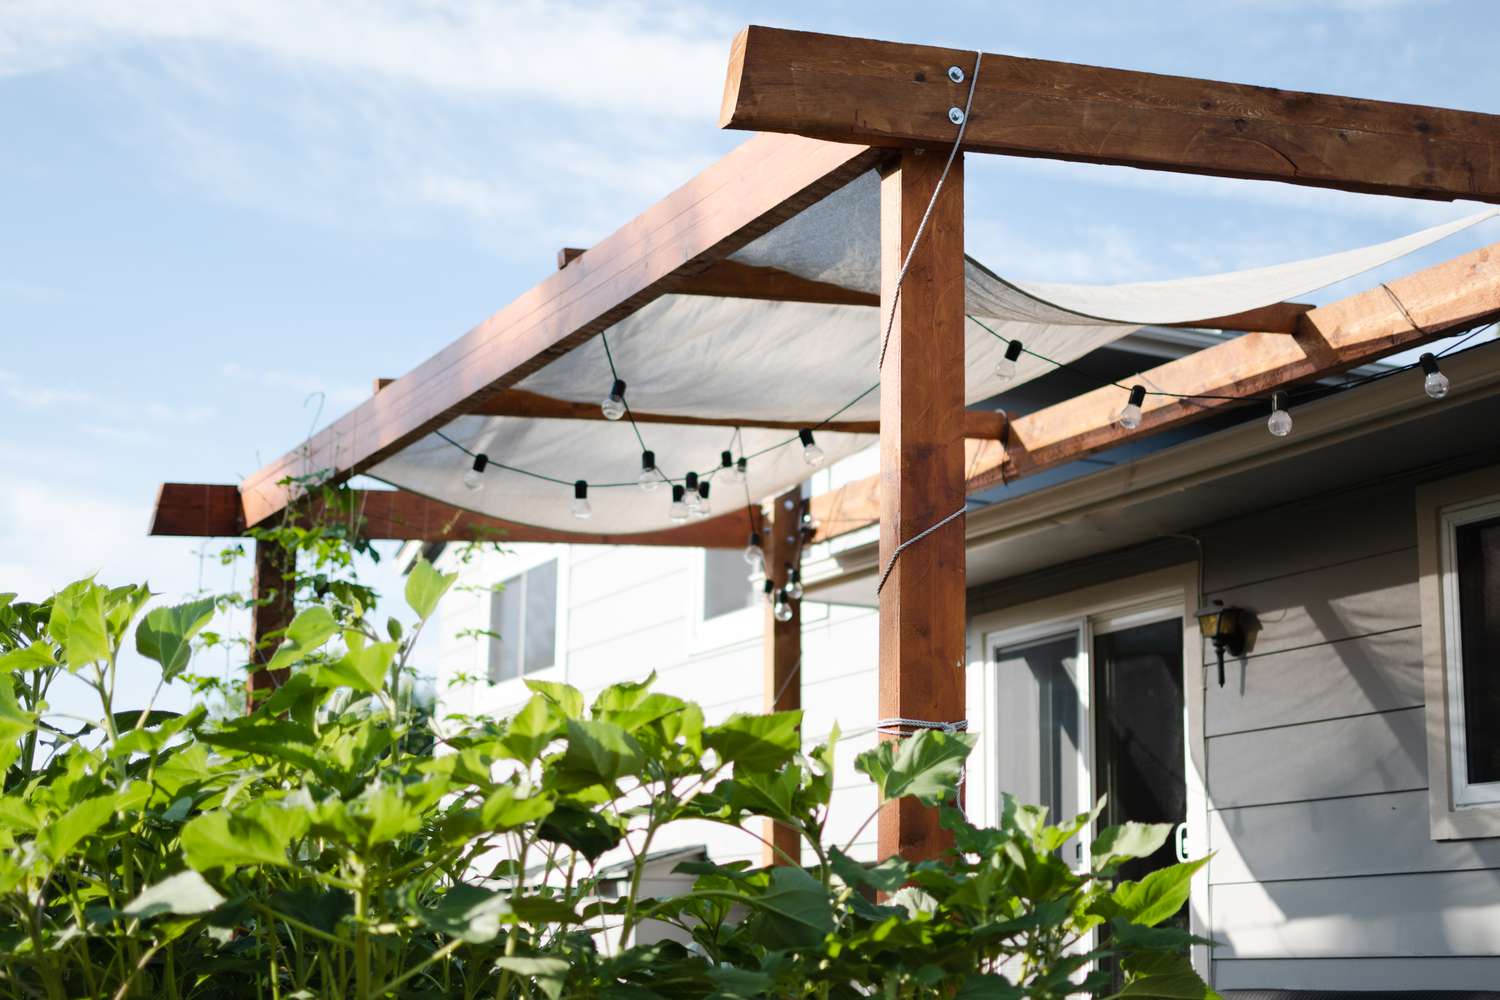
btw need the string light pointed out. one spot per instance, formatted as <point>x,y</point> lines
<point>741,469</point>
<point>1280,421</point>
<point>1005,368</point>
<point>650,475</point>
<point>474,477</point>
<point>614,404</point>
<point>794,583</point>
<point>782,609</point>
<point>1130,415</point>
<point>811,453</point>
<point>690,487</point>
<point>678,511</point>
<point>1435,384</point>
<point>703,509</point>
<point>768,591</point>
<point>730,472</point>
<point>755,556</point>
<point>581,508</point>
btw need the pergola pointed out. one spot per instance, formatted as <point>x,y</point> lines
<point>835,108</point>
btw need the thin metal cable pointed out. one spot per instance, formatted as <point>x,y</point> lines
<point>894,726</point>
<point>912,541</point>
<point>922,225</point>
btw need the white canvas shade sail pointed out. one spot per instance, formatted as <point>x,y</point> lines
<point>750,359</point>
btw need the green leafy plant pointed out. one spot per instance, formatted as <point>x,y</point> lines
<point>306,850</point>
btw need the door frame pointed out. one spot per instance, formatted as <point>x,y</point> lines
<point>1119,603</point>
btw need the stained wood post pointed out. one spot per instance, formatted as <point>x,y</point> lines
<point>782,648</point>
<point>275,568</point>
<point>921,469</point>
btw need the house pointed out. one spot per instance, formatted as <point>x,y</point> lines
<point>1339,793</point>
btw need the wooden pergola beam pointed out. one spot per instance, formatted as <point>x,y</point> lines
<point>732,279</point>
<point>744,195</point>
<point>1436,302</point>
<point>981,424</point>
<point>893,94</point>
<point>214,511</point>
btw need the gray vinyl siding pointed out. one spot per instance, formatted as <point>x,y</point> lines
<point>1325,875</point>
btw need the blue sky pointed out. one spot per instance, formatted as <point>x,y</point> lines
<point>220,221</point>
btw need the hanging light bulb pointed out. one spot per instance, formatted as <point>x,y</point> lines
<point>782,609</point>
<point>678,512</point>
<point>811,453</point>
<point>614,404</point>
<point>1280,421</point>
<point>1130,416</point>
<point>581,508</point>
<point>730,472</point>
<point>1005,368</point>
<point>690,488</point>
<point>755,556</point>
<point>1436,383</point>
<point>740,467</point>
<point>474,478</point>
<point>794,584</point>
<point>702,510</point>
<point>650,476</point>
<point>768,591</point>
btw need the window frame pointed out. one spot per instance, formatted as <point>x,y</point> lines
<point>1457,808</point>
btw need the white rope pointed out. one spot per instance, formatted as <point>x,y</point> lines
<point>912,540</point>
<point>922,226</point>
<point>894,727</point>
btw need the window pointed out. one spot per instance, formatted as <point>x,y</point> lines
<point>1459,557</point>
<point>726,582</point>
<point>523,616</point>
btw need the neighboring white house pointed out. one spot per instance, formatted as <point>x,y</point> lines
<point>1346,775</point>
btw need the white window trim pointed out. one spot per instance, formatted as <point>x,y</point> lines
<point>1106,607</point>
<point>1457,810</point>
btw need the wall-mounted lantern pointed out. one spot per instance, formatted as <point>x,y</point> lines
<point>1227,628</point>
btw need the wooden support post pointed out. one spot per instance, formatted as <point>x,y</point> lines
<point>782,648</point>
<point>275,569</point>
<point>921,469</point>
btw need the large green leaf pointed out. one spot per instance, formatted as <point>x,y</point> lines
<point>988,986</point>
<point>588,832</point>
<point>549,974</point>
<point>60,836</point>
<point>469,913</point>
<point>32,657</point>
<point>601,750</point>
<point>1128,840</point>
<point>166,634</point>
<point>309,630</point>
<point>15,721</point>
<point>363,669</point>
<point>567,699</point>
<point>756,741</point>
<point>798,905</point>
<point>1164,977</point>
<point>184,894</point>
<point>1157,896</point>
<point>78,624</point>
<point>425,587</point>
<point>260,834</point>
<point>528,732</point>
<point>925,765</point>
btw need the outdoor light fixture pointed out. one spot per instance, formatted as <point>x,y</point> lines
<point>678,512</point>
<point>1280,421</point>
<point>755,556</point>
<point>581,508</point>
<point>794,583</point>
<point>739,467</point>
<point>702,510</point>
<point>650,474</point>
<point>614,404</point>
<point>1226,627</point>
<point>732,473</point>
<point>1005,368</point>
<point>690,489</point>
<point>1130,415</point>
<point>782,609</point>
<point>811,453</point>
<point>474,478</point>
<point>1436,383</point>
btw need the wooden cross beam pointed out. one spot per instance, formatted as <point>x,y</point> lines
<point>214,511</point>
<point>1436,302</point>
<point>892,94</point>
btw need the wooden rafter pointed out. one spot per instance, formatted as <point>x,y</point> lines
<point>756,187</point>
<point>1432,303</point>
<point>892,94</point>
<point>213,511</point>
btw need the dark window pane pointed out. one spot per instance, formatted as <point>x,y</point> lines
<point>726,582</point>
<point>1038,726</point>
<point>1477,552</point>
<point>1138,728</point>
<point>505,621</point>
<point>541,617</point>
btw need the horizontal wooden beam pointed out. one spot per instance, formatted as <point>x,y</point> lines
<point>892,94</point>
<point>1436,302</point>
<point>744,195</point>
<point>520,403</point>
<point>1283,317</point>
<point>214,511</point>
<point>732,279</point>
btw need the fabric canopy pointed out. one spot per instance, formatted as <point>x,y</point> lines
<point>748,359</point>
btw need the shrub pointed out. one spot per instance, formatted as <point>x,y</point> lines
<point>306,850</point>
